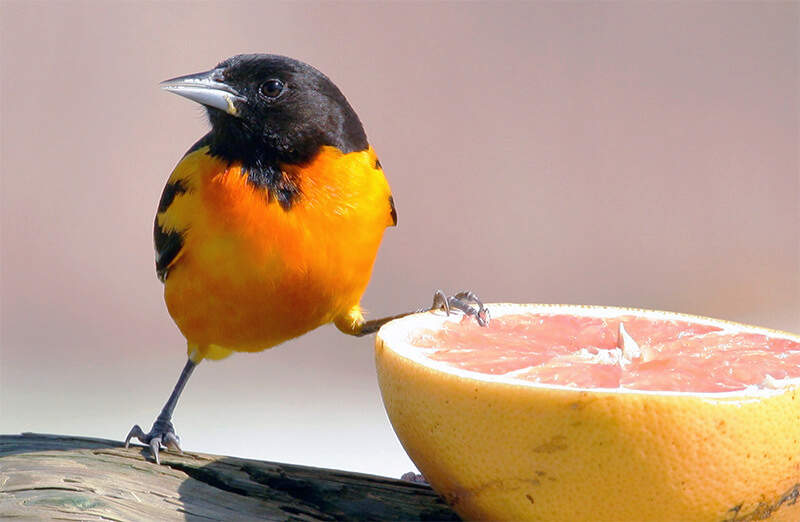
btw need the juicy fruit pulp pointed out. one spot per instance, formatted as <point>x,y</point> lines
<point>623,351</point>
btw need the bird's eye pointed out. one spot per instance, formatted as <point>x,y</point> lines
<point>272,88</point>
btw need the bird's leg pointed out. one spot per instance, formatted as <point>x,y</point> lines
<point>466,302</point>
<point>162,434</point>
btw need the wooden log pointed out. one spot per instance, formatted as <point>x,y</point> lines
<point>48,477</point>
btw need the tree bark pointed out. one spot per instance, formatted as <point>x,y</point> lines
<point>51,477</point>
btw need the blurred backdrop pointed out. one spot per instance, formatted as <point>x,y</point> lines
<point>602,153</point>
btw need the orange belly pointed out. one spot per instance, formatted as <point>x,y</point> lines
<point>252,274</point>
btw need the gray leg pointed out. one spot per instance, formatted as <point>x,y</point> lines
<point>162,434</point>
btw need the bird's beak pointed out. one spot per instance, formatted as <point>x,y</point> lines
<point>206,88</point>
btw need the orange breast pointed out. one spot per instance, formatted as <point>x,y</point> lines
<point>252,274</point>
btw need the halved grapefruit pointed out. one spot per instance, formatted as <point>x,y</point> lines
<point>568,413</point>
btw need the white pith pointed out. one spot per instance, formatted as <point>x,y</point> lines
<point>398,334</point>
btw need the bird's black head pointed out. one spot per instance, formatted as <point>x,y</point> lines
<point>267,109</point>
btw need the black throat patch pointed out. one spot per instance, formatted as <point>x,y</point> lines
<point>261,165</point>
<point>281,187</point>
<point>262,157</point>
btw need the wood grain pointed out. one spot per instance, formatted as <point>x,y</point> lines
<point>58,477</point>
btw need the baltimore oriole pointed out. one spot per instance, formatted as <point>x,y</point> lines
<point>269,225</point>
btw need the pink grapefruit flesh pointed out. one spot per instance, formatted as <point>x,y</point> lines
<point>587,352</point>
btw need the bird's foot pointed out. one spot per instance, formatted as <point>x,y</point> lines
<point>161,436</point>
<point>417,478</point>
<point>466,302</point>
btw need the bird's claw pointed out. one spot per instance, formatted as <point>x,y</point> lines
<point>417,478</point>
<point>466,301</point>
<point>161,436</point>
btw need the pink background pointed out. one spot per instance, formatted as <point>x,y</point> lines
<point>599,153</point>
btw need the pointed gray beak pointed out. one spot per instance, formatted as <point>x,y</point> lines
<point>206,88</point>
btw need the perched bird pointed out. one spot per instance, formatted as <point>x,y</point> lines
<point>269,225</point>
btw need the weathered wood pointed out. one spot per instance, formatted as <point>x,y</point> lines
<point>75,478</point>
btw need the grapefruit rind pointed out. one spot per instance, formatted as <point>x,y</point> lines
<point>500,449</point>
